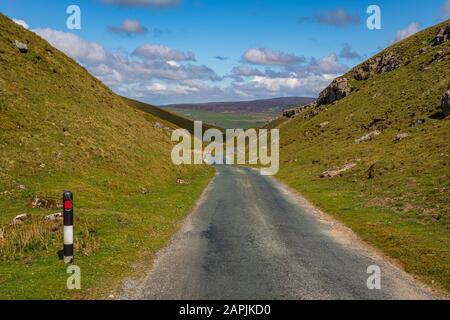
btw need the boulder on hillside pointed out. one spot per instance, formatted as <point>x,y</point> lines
<point>442,36</point>
<point>43,203</point>
<point>23,48</point>
<point>54,217</point>
<point>337,90</point>
<point>20,218</point>
<point>292,113</point>
<point>445,103</point>
<point>331,173</point>
<point>399,137</point>
<point>368,137</point>
<point>383,63</point>
<point>183,182</point>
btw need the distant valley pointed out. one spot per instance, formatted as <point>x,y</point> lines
<point>238,114</point>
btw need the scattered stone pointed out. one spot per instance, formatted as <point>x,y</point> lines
<point>445,103</point>
<point>442,36</point>
<point>292,113</point>
<point>324,124</point>
<point>43,203</point>
<point>42,165</point>
<point>337,90</point>
<point>399,137</point>
<point>23,48</point>
<point>382,63</point>
<point>439,56</point>
<point>311,114</point>
<point>417,122</point>
<point>158,125</point>
<point>330,173</point>
<point>144,191</point>
<point>22,187</point>
<point>183,182</point>
<point>54,217</point>
<point>376,95</point>
<point>20,218</point>
<point>368,137</point>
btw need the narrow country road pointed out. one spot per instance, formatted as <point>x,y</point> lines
<point>251,238</point>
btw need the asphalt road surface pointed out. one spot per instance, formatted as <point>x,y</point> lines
<point>250,238</point>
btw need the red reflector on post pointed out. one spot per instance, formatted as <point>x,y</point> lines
<point>67,204</point>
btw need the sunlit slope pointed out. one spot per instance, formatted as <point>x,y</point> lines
<point>61,129</point>
<point>397,194</point>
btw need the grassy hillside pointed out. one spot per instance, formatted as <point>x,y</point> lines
<point>61,129</point>
<point>397,195</point>
<point>166,115</point>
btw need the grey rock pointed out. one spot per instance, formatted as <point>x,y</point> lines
<point>368,137</point>
<point>183,182</point>
<point>43,203</point>
<point>292,113</point>
<point>417,122</point>
<point>23,48</point>
<point>324,124</point>
<point>401,136</point>
<point>445,103</point>
<point>442,36</point>
<point>337,90</point>
<point>330,173</point>
<point>382,63</point>
<point>311,114</point>
<point>54,217</point>
<point>20,218</point>
<point>159,125</point>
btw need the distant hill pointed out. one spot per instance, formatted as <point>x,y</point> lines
<point>166,115</point>
<point>269,107</point>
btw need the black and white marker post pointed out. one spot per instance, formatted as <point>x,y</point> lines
<point>68,227</point>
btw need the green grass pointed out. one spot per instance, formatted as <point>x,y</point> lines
<point>221,119</point>
<point>404,210</point>
<point>129,227</point>
<point>61,129</point>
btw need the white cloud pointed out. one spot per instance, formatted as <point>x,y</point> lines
<point>160,74</point>
<point>74,46</point>
<point>130,27</point>
<point>446,9</point>
<point>337,18</point>
<point>406,32</point>
<point>263,56</point>
<point>21,23</point>
<point>143,3</point>
<point>348,53</point>
<point>327,65</point>
<point>155,52</point>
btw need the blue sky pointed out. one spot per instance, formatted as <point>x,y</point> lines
<point>173,51</point>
